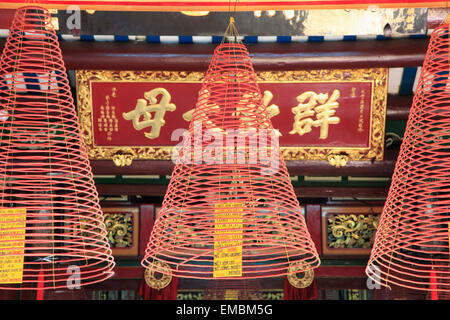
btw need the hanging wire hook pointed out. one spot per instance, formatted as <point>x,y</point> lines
<point>231,32</point>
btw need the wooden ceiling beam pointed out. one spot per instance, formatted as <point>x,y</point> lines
<point>383,168</point>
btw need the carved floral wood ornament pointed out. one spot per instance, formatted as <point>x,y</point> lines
<point>123,229</point>
<point>349,230</point>
<point>120,229</point>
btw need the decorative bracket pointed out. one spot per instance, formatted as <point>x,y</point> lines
<point>122,160</point>
<point>337,160</point>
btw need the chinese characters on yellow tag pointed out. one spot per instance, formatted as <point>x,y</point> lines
<point>319,105</point>
<point>143,109</point>
<point>12,244</point>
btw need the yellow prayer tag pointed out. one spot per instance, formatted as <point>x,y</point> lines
<point>228,227</point>
<point>12,244</point>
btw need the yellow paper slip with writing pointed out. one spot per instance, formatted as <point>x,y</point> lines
<point>12,244</point>
<point>228,225</point>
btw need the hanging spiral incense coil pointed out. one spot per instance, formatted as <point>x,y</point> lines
<point>52,233</point>
<point>412,238</point>
<point>230,210</point>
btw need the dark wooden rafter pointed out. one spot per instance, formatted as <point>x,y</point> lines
<point>158,190</point>
<point>383,168</point>
<point>397,107</point>
<point>329,271</point>
<point>327,277</point>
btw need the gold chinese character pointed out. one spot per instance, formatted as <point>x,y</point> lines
<point>247,104</point>
<point>302,122</point>
<point>324,112</point>
<point>273,110</point>
<point>107,122</point>
<point>145,110</point>
<point>204,98</point>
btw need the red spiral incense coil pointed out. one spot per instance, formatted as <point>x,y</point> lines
<point>412,239</point>
<point>52,233</point>
<point>230,210</point>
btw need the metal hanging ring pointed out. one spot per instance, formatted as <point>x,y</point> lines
<point>296,269</point>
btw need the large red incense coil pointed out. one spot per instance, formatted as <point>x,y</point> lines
<point>412,239</point>
<point>230,212</point>
<point>52,233</point>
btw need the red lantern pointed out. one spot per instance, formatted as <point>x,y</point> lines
<point>230,210</point>
<point>52,233</point>
<point>412,239</point>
